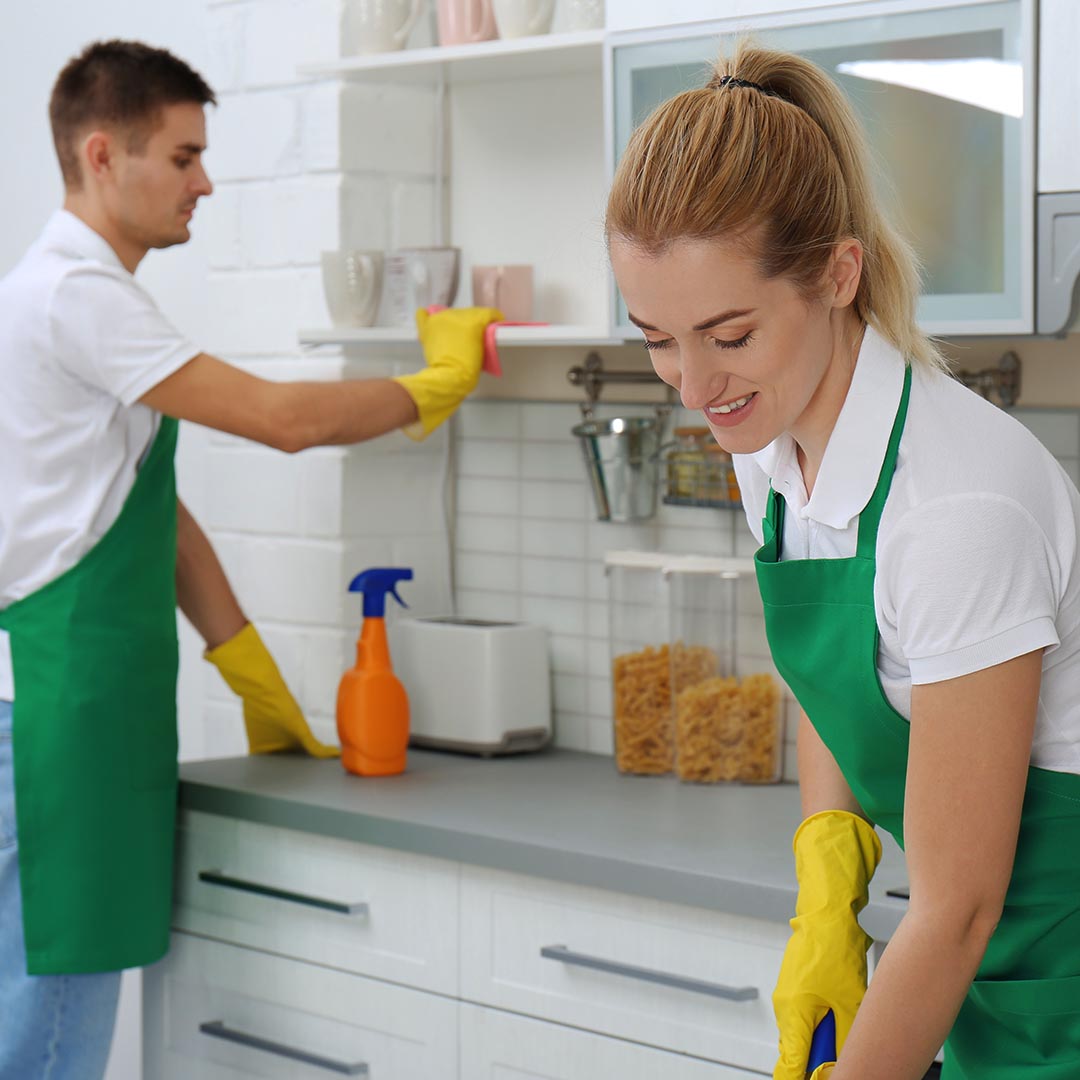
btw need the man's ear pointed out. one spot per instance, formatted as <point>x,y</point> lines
<point>98,154</point>
<point>845,272</point>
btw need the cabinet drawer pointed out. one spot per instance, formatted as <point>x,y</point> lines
<point>499,1046</point>
<point>675,977</point>
<point>352,906</point>
<point>220,1012</point>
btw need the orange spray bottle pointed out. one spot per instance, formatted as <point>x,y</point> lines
<point>372,706</point>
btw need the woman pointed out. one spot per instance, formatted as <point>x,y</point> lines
<point>919,570</point>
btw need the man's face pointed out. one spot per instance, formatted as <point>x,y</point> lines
<point>155,186</point>
<point>748,352</point>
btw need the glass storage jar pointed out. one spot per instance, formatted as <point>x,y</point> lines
<point>686,461</point>
<point>727,727</point>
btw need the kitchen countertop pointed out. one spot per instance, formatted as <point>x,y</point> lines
<point>557,814</point>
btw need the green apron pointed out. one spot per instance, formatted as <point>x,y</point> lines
<point>1021,1017</point>
<point>94,732</point>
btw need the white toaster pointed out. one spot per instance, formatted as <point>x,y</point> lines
<point>476,686</point>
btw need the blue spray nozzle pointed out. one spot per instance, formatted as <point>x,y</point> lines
<point>375,584</point>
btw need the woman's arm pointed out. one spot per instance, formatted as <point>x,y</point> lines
<point>967,772</point>
<point>203,592</point>
<point>821,783</point>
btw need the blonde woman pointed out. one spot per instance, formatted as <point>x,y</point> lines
<point>919,571</point>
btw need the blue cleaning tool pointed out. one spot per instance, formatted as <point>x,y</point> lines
<point>823,1044</point>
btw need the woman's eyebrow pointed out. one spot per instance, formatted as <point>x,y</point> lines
<point>716,320</point>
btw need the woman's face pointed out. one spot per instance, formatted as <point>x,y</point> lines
<point>749,352</point>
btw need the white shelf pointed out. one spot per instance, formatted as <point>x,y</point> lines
<point>507,336</point>
<point>487,61</point>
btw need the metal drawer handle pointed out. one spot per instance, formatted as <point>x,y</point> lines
<point>216,877</point>
<point>663,978</point>
<point>216,1029</point>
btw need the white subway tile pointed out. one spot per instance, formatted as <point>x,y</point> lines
<point>430,558</point>
<point>598,658</point>
<point>219,219</point>
<point>604,536</point>
<point>601,737</point>
<point>226,38</point>
<point>553,577</point>
<point>494,573</point>
<point>550,423</point>
<point>498,606</point>
<point>392,494</point>
<point>282,34</point>
<point>596,581</point>
<point>745,543</point>
<point>252,313</point>
<point>569,692</point>
<point>223,727</point>
<point>597,617</point>
<point>488,420</point>
<point>599,693</point>
<point>552,461</point>
<point>571,731</point>
<point>487,457</point>
<point>695,542</point>
<point>322,492</point>
<point>561,500</point>
<point>568,654</point>
<point>255,136</point>
<point>327,655</point>
<point>557,539</point>
<point>485,495</point>
<point>253,491</point>
<point>560,616</point>
<point>486,533</point>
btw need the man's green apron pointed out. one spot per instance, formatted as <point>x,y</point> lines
<point>1021,1017</point>
<point>94,730</point>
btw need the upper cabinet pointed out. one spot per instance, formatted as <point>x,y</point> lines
<point>945,94</point>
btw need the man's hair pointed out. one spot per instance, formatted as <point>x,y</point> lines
<point>121,85</point>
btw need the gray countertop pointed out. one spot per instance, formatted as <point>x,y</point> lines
<point>556,814</point>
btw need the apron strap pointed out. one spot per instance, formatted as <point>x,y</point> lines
<point>871,515</point>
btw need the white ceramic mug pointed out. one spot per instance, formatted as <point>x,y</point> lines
<point>523,18</point>
<point>375,26</point>
<point>582,14</point>
<point>508,288</point>
<point>416,278</point>
<point>352,284</point>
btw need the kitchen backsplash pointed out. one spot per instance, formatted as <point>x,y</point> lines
<point>528,547</point>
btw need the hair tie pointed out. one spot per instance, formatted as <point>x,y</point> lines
<point>732,80</point>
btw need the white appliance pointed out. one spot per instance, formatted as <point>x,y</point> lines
<point>477,686</point>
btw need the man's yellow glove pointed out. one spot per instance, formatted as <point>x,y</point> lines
<point>824,965</point>
<point>272,717</point>
<point>453,343</point>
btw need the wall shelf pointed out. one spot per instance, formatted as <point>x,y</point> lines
<point>401,337</point>
<point>487,61</point>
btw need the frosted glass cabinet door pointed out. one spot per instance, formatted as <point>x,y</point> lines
<point>945,95</point>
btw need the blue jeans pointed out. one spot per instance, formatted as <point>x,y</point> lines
<point>52,1027</point>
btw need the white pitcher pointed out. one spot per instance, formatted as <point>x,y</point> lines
<point>375,26</point>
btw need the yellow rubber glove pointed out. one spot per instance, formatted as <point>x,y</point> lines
<point>824,965</point>
<point>823,1072</point>
<point>272,717</point>
<point>453,343</point>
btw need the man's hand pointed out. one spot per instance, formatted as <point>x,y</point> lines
<point>453,342</point>
<point>272,717</point>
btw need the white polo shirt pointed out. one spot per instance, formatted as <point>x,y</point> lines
<point>80,342</point>
<point>977,550</point>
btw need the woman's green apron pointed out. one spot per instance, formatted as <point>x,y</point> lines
<point>94,654</point>
<point>1021,1017</point>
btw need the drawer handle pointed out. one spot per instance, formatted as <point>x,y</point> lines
<point>216,1029</point>
<point>216,877</point>
<point>663,978</point>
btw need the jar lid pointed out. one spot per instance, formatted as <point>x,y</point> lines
<point>691,432</point>
<point>716,448</point>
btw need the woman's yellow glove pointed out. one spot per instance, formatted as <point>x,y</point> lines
<point>453,343</point>
<point>823,1072</point>
<point>272,717</point>
<point>824,965</point>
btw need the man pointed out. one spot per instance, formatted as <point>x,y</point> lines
<point>96,551</point>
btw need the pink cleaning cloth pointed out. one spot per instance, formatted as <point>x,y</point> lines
<point>492,363</point>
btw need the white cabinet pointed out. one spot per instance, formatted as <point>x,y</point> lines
<point>353,906</point>
<point>298,955</point>
<point>1059,96</point>
<point>674,977</point>
<point>218,1012</point>
<point>500,1046</point>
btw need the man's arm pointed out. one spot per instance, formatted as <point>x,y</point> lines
<point>203,592</point>
<point>288,416</point>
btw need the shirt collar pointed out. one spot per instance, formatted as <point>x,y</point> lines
<point>67,232</point>
<point>856,449</point>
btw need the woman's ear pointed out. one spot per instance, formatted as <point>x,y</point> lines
<point>845,272</point>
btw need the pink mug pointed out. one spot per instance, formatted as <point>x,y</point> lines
<point>462,22</point>
<point>508,288</point>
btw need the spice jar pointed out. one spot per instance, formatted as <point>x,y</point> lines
<point>686,461</point>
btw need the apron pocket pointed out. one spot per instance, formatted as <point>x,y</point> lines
<point>1025,1022</point>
